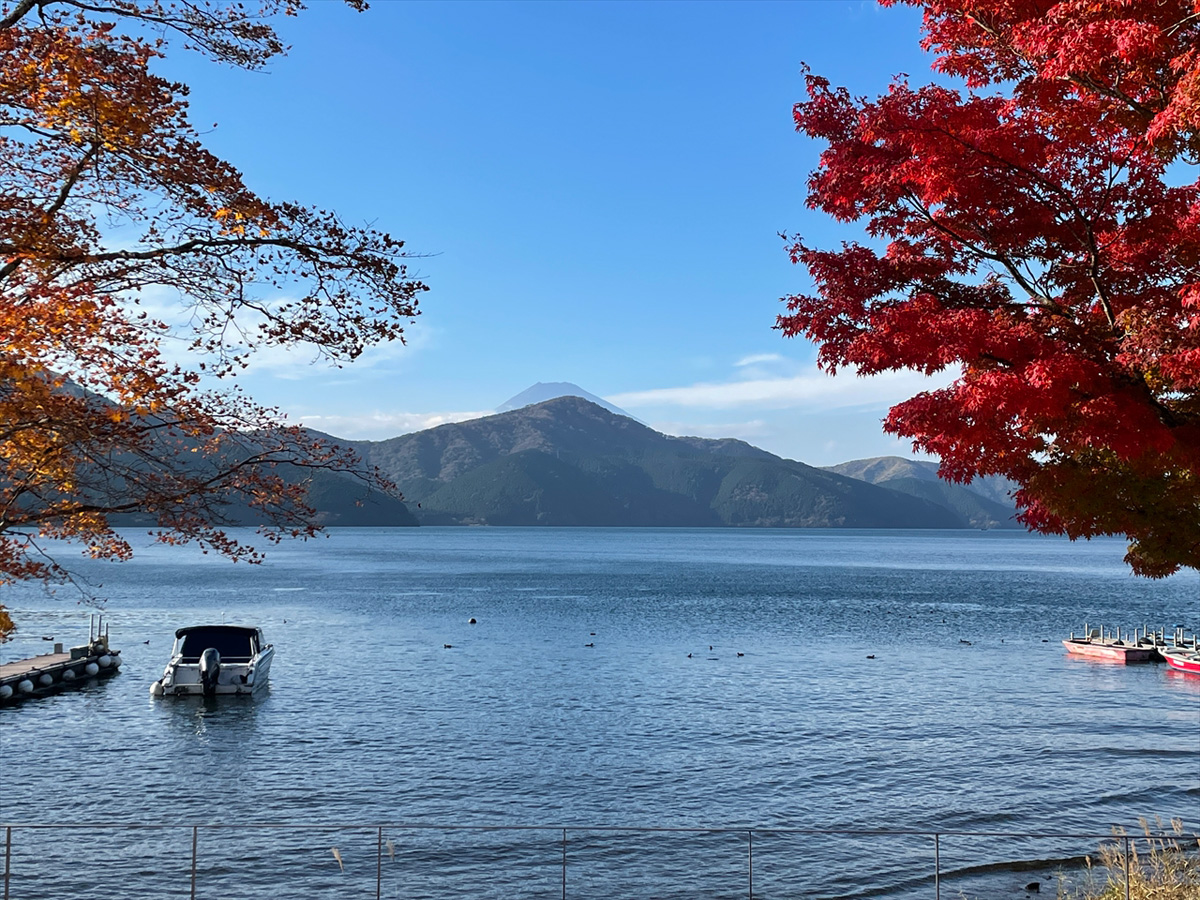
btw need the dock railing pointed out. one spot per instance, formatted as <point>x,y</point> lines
<point>550,861</point>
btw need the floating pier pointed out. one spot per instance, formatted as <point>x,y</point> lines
<point>1140,645</point>
<point>62,670</point>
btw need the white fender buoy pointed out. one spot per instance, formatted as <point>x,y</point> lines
<point>91,668</point>
<point>5,691</point>
<point>156,689</point>
<point>25,686</point>
<point>68,675</point>
<point>116,661</point>
<point>45,679</point>
<point>105,661</point>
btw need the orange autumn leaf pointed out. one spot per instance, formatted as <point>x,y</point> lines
<point>96,424</point>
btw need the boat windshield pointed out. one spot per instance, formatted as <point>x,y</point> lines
<point>234,644</point>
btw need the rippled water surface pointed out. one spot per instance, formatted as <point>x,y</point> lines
<point>729,686</point>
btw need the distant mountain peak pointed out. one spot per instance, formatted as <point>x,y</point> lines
<point>882,468</point>
<point>890,470</point>
<point>569,461</point>
<point>550,390</point>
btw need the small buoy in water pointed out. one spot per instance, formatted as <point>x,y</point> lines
<point>25,686</point>
<point>46,679</point>
<point>156,689</point>
<point>5,691</point>
<point>471,621</point>
<point>91,668</point>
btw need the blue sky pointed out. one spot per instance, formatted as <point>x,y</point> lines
<point>598,189</point>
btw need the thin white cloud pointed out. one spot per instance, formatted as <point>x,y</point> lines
<point>302,361</point>
<point>296,362</point>
<point>814,390</point>
<point>755,359</point>
<point>378,426</point>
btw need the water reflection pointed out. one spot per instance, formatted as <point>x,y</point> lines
<point>228,715</point>
<point>1182,682</point>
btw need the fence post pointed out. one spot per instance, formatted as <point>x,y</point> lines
<point>195,829</point>
<point>937,866</point>
<point>7,859</point>
<point>379,864</point>
<point>1126,867</point>
<point>564,864</point>
<point>750,862</point>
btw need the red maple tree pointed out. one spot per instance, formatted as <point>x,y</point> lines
<point>1038,232</point>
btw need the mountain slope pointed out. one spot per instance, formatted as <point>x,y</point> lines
<point>340,500</point>
<point>979,511</point>
<point>337,498</point>
<point>884,470</point>
<point>567,461</point>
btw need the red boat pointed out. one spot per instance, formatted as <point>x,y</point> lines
<point>1182,658</point>
<point>1142,645</point>
<point>1111,649</point>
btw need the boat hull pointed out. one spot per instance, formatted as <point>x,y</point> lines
<point>1182,660</point>
<point>183,679</point>
<point>1110,651</point>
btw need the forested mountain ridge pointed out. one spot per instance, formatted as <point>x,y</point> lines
<point>985,502</point>
<point>567,461</point>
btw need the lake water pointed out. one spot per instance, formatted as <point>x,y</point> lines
<point>729,687</point>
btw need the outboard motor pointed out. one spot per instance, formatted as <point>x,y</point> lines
<point>210,669</point>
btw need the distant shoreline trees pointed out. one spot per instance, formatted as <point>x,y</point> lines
<point>1032,231</point>
<point>95,419</point>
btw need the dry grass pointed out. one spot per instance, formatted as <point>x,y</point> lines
<point>1164,864</point>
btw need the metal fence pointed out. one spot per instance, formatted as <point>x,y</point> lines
<point>565,861</point>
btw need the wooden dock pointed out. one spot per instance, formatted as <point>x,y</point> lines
<point>50,673</point>
<point>34,663</point>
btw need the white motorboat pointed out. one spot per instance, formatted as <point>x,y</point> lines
<point>216,659</point>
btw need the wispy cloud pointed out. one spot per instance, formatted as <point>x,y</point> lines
<point>755,359</point>
<point>302,361</point>
<point>378,426</point>
<point>813,390</point>
<point>290,363</point>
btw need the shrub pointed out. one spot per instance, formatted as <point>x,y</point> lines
<point>1163,865</point>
